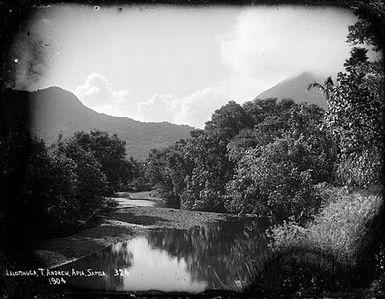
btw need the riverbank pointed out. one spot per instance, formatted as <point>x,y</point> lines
<point>333,253</point>
<point>120,225</point>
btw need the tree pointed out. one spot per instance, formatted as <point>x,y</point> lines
<point>47,195</point>
<point>369,29</point>
<point>356,107</point>
<point>211,169</point>
<point>324,88</point>
<point>270,121</point>
<point>269,181</point>
<point>276,177</point>
<point>355,102</point>
<point>356,119</point>
<point>139,180</point>
<point>91,184</point>
<point>167,170</point>
<point>110,152</point>
<point>228,121</point>
<point>259,109</point>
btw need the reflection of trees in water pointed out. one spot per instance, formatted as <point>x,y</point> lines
<point>225,254</point>
<point>117,256</point>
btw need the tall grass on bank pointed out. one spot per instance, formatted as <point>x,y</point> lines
<point>338,229</point>
<point>329,253</point>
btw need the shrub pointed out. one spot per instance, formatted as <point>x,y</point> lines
<point>109,152</point>
<point>338,228</point>
<point>275,180</point>
<point>91,184</point>
<point>360,170</point>
<point>47,198</point>
<point>326,254</point>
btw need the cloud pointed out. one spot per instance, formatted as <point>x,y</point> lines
<point>270,44</point>
<point>98,93</point>
<point>264,46</point>
<point>197,108</point>
<point>194,109</point>
<point>157,108</point>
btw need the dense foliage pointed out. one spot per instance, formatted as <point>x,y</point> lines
<point>343,247</point>
<point>356,109</point>
<point>109,152</point>
<point>64,186</point>
<point>265,157</point>
<point>260,157</point>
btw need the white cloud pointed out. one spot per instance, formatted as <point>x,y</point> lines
<point>264,46</point>
<point>270,44</point>
<point>157,108</point>
<point>194,109</point>
<point>99,94</point>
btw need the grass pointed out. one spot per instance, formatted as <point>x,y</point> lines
<point>339,228</point>
<point>326,255</point>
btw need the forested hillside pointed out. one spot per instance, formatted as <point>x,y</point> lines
<point>54,111</point>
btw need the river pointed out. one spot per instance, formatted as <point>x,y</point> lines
<point>218,255</point>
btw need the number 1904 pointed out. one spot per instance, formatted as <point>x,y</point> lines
<point>56,281</point>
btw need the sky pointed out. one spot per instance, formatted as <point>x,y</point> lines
<point>176,64</point>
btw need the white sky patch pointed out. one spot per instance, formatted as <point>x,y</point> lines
<point>197,108</point>
<point>176,64</point>
<point>269,44</point>
<point>98,94</point>
<point>157,108</point>
<point>194,109</point>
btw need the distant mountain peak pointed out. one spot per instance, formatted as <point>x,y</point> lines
<point>56,90</point>
<point>295,87</point>
<point>307,76</point>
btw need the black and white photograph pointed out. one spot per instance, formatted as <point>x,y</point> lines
<point>192,149</point>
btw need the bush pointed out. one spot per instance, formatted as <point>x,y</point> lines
<point>110,153</point>
<point>326,254</point>
<point>338,228</point>
<point>302,271</point>
<point>360,170</point>
<point>46,201</point>
<point>59,188</point>
<point>91,184</point>
<point>275,180</point>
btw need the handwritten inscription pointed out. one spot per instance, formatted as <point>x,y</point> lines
<point>62,273</point>
<point>21,273</point>
<point>53,275</point>
<point>57,277</point>
<point>56,281</point>
<point>121,272</point>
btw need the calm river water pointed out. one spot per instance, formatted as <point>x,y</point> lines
<point>219,255</point>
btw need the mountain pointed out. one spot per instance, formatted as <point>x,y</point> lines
<point>296,88</point>
<point>54,110</point>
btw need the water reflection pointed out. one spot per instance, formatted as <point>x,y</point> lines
<point>220,255</point>
<point>140,199</point>
<point>127,202</point>
<point>223,254</point>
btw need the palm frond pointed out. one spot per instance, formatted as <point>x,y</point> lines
<point>315,85</point>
